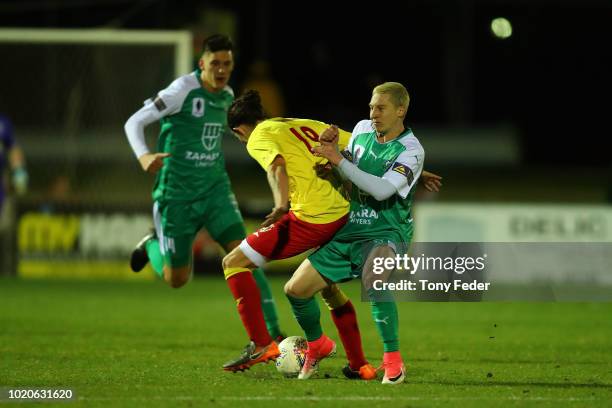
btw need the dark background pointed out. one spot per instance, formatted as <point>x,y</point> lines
<point>550,79</point>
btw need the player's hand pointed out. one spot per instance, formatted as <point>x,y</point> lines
<point>274,216</point>
<point>329,151</point>
<point>152,162</point>
<point>331,135</point>
<point>431,181</point>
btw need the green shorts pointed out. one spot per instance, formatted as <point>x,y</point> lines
<point>177,223</point>
<point>343,258</point>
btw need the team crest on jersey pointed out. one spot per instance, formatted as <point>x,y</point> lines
<point>197,107</point>
<point>210,135</point>
<point>404,171</point>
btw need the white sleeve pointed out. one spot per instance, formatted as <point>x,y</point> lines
<point>405,171</point>
<point>134,128</point>
<point>375,186</point>
<point>167,102</point>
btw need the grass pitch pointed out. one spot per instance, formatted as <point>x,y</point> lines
<point>144,344</point>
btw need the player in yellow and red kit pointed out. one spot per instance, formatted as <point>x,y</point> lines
<point>309,208</point>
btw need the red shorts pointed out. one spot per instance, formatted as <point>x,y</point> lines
<point>287,237</point>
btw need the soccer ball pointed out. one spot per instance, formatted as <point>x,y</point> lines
<point>292,356</point>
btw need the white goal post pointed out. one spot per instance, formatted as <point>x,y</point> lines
<point>182,40</point>
<point>68,89</point>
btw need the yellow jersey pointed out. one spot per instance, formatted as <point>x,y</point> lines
<point>313,199</point>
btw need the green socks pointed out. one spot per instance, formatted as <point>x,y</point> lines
<point>267,303</point>
<point>155,257</point>
<point>308,315</point>
<point>385,317</point>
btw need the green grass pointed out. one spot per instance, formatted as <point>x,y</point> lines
<point>144,344</point>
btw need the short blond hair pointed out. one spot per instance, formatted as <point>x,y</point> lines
<point>399,94</point>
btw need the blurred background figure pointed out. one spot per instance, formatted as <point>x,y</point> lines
<point>260,78</point>
<point>11,158</point>
<point>13,178</point>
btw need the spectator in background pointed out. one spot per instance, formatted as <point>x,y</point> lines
<point>11,154</point>
<point>259,78</point>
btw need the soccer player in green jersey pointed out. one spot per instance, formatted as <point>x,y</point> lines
<point>192,189</point>
<point>383,160</point>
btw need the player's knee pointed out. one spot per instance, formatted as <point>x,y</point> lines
<point>287,288</point>
<point>236,259</point>
<point>294,290</point>
<point>227,261</point>
<point>179,278</point>
<point>231,260</point>
<point>178,282</point>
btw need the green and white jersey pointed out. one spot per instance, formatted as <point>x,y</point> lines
<point>193,122</point>
<point>399,161</point>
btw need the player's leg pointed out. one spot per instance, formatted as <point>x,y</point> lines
<point>345,318</point>
<point>268,304</point>
<point>228,225</point>
<point>176,227</point>
<point>286,238</point>
<point>236,257</point>
<point>148,248</point>
<point>237,269</point>
<point>168,249</point>
<point>225,225</point>
<point>178,260</point>
<point>244,288</point>
<point>300,291</point>
<point>301,236</point>
<point>384,313</point>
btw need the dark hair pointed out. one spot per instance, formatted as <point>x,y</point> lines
<point>246,110</point>
<point>217,42</point>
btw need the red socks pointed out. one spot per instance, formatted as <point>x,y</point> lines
<point>345,320</point>
<point>248,301</point>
